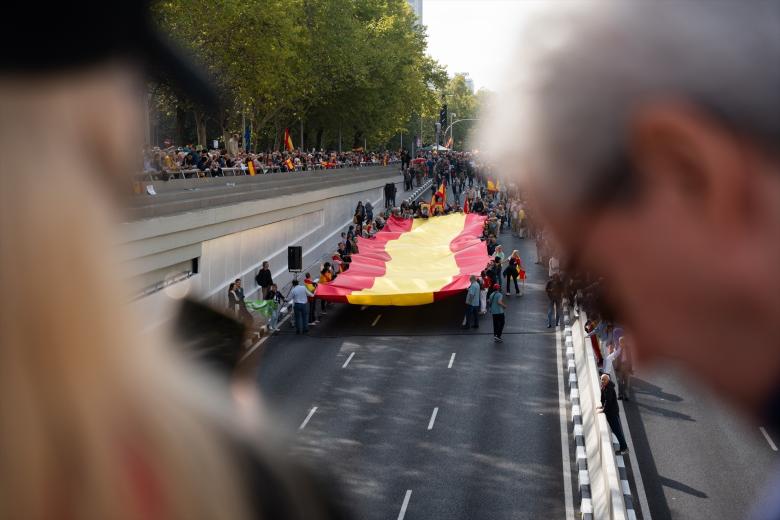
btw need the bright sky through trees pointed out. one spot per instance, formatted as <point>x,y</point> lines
<point>474,36</point>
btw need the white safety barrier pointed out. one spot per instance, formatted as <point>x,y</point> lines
<point>604,492</point>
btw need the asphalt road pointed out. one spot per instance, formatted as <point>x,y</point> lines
<point>376,375</point>
<point>697,458</point>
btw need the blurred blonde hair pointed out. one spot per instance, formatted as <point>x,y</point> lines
<point>94,423</point>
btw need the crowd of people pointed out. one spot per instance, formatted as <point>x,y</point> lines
<point>608,340</point>
<point>195,161</point>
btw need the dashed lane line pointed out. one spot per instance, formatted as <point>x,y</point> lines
<point>405,504</point>
<point>768,439</point>
<point>452,360</point>
<point>308,417</point>
<point>376,320</point>
<point>348,360</point>
<point>433,418</point>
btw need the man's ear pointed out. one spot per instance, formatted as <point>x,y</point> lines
<point>685,156</point>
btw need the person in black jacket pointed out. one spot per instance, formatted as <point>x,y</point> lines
<point>609,407</point>
<point>554,290</point>
<point>264,279</point>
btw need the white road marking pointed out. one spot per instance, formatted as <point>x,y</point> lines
<point>452,360</point>
<point>433,418</point>
<point>264,338</point>
<point>308,417</point>
<point>402,513</point>
<point>768,439</point>
<point>348,360</point>
<point>567,483</point>
<point>364,307</point>
<point>376,320</point>
<point>644,506</point>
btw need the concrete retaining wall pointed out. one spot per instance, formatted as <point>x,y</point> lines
<point>232,241</point>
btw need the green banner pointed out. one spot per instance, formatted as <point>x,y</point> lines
<point>264,307</point>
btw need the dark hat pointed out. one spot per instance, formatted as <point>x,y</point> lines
<point>95,34</point>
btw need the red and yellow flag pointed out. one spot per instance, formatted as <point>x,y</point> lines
<point>289,164</point>
<point>493,186</point>
<point>251,165</point>
<point>288,144</point>
<point>439,199</point>
<point>412,262</point>
<point>466,207</point>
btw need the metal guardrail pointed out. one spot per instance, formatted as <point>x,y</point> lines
<point>605,451</point>
<point>419,191</point>
<point>243,171</point>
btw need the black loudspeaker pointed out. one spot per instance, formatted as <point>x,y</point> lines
<point>295,259</point>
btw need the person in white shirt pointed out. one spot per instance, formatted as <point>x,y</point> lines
<point>610,359</point>
<point>299,296</point>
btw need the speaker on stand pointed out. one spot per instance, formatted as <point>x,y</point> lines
<point>295,260</point>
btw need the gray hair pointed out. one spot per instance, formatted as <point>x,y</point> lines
<point>582,72</point>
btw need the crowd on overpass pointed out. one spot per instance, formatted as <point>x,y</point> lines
<point>195,161</point>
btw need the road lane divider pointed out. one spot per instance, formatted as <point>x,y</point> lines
<point>348,360</point>
<point>376,320</point>
<point>452,360</point>
<point>308,418</point>
<point>433,418</point>
<point>405,504</point>
<point>768,439</point>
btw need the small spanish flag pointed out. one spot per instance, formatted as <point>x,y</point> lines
<point>251,166</point>
<point>439,199</point>
<point>449,143</point>
<point>493,186</point>
<point>288,144</point>
<point>289,164</point>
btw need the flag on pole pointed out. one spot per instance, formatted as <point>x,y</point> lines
<point>288,144</point>
<point>439,199</point>
<point>449,143</point>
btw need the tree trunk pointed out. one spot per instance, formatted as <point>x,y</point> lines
<point>181,117</point>
<point>277,139</point>
<point>200,125</point>
<point>320,131</point>
<point>358,141</point>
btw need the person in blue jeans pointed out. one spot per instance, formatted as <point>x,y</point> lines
<point>299,296</point>
<point>554,290</point>
<point>275,296</point>
<point>472,304</point>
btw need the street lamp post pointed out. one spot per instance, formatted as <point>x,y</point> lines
<point>458,121</point>
<point>452,137</point>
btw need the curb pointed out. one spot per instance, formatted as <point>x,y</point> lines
<point>583,477</point>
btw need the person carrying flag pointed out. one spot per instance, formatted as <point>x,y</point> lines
<point>439,200</point>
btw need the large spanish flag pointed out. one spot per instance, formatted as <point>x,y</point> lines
<point>412,262</point>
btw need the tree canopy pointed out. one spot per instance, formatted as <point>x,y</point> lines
<point>352,71</point>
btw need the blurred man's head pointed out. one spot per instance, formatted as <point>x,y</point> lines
<point>650,131</point>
